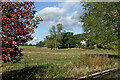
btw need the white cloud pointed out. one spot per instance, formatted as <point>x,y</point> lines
<point>70,4</point>
<point>51,15</point>
<point>32,41</point>
<point>45,32</point>
<point>59,15</point>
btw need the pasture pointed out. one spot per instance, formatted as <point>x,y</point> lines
<point>63,63</point>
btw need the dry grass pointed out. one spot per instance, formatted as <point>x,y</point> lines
<point>67,63</point>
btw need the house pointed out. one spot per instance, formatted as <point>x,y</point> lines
<point>83,42</point>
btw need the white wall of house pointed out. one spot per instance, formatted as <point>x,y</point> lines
<point>83,42</point>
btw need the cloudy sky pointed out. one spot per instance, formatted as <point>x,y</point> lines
<point>52,13</point>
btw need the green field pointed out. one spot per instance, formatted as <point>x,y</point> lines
<point>64,63</point>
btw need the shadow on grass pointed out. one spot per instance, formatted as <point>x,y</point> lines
<point>109,55</point>
<point>29,73</point>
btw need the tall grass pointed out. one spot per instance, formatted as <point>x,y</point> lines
<point>87,65</point>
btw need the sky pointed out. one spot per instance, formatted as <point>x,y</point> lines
<point>53,13</point>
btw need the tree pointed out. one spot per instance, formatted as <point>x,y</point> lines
<point>67,41</point>
<point>18,23</point>
<point>59,35</point>
<point>40,44</point>
<point>55,32</point>
<point>30,44</point>
<point>101,21</point>
<point>49,42</point>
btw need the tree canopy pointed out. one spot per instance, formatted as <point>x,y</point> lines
<point>18,23</point>
<point>102,22</point>
<point>54,40</point>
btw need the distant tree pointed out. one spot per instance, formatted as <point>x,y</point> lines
<point>79,45</point>
<point>67,40</point>
<point>55,32</point>
<point>18,23</point>
<point>40,44</point>
<point>30,44</point>
<point>59,35</point>
<point>77,39</point>
<point>25,44</point>
<point>84,37</point>
<point>49,42</point>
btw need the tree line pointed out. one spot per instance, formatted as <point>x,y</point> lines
<point>60,39</point>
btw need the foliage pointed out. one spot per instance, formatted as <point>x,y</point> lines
<point>40,44</point>
<point>54,40</point>
<point>18,23</point>
<point>70,41</point>
<point>49,42</point>
<point>101,22</point>
<point>67,41</point>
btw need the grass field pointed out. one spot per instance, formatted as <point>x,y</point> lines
<point>64,63</point>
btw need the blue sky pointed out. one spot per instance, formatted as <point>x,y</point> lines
<point>52,13</point>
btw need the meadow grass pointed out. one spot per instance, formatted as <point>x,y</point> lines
<point>64,63</point>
